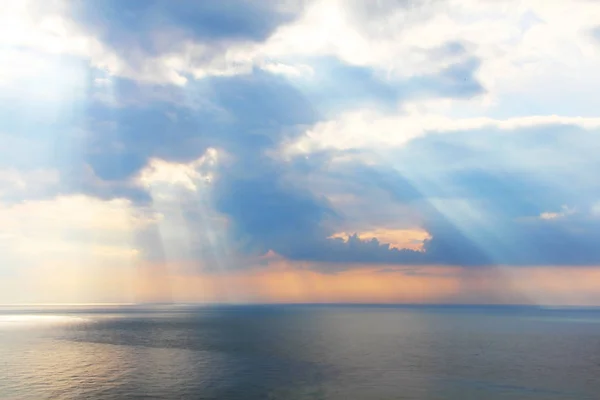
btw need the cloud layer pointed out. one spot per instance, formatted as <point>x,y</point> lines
<point>334,134</point>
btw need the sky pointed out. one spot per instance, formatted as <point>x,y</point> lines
<point>300,151</point>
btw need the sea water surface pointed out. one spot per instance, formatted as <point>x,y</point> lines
<point>300,352</point>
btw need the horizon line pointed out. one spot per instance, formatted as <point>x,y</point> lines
<point>166,303</point>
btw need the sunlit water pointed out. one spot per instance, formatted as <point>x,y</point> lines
<point>300,352</point>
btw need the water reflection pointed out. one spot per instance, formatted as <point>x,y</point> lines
<point>300,352</point>
<point>32,319</point>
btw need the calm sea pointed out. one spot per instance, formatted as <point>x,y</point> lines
<point>300,352</point>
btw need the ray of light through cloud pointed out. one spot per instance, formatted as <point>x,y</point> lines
<point>299,151</point>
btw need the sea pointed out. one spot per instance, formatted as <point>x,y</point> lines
<point>338,352</point>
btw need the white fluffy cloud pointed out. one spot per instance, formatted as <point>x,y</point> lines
<point>160,175</point>
<point>535,68</point>
<point>371,129</point>
<point>514,39</point>
<point>33,32</point>
<point>520,43</point>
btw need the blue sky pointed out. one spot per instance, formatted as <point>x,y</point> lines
<point>213,137</point>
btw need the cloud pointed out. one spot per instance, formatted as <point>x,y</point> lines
<point>149,42</point>
<point>269,214</point>
<point>154,43</point>
<point>258,203</point>
<point>96,147</point>
<point>554,215</point>
<point>292,71</point>
<point>478,193</point>
<point>362,34</point>
<point>397,238</point>
<point>356,86</point>
<point>314,131</point>
<point>141,40</point>
<point>160,172</point>
<point>347,131</point>
<point>405,38</point>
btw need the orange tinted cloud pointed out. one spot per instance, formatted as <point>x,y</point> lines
<point>397,238</point>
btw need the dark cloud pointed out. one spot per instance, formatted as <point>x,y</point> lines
<point>353,251</point>
<point>201,35</point>
<point>139,23</point>
<point>353,86</point>
<point>569,240</point>
<point>480,195</point>
<point>337,86</point>
<point>98,145</point>
<point>269,215</point>
<point>244,115</point>
<point>565,241</point>
<point>387,179</point>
